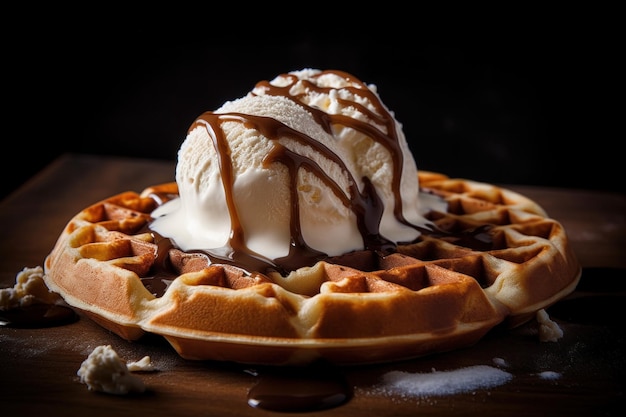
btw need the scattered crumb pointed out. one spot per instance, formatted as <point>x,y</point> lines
<point>29,289</point>
<point>500,362</point>
<point>104,371</point>
<point>549,375</point>
<point>549,331</point>
<point>142,365</point>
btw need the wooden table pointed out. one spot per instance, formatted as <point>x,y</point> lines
<point>38,366</point>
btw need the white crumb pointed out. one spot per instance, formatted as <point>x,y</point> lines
<point>29,289</point>
<point>104,371</point>
<point>549,331</point>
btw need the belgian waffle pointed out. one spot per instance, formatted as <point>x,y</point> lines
<point>494,257</point>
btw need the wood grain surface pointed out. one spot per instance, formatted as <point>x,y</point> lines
<point>38,366</point>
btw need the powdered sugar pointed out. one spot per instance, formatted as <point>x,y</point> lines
<point>549,375</point>
<point>438,383</point>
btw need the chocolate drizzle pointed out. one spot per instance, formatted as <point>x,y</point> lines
<point>365,204</point>
<point>382,117</point>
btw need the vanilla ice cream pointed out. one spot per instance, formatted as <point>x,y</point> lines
<point>308,165</point>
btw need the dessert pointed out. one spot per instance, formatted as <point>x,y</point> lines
<point>299,227</point>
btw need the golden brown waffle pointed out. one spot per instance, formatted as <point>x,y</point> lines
<point>496,258</point>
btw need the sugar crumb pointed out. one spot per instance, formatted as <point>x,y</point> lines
<point>500,362</point>
<point>549,375</point>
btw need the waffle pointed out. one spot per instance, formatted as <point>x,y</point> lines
<point>494,259</point>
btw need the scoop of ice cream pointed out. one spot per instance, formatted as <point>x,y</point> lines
<point>368,134</point>
<point>308,165</point>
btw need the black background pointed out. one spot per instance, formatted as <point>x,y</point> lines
<point>516,96</point>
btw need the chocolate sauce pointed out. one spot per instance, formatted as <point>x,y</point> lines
<point>478,238</point>
<point>37,316</point>
<point>319,386</point>
<point>365,204</point>
<point>157,284</point>
<point>382,116</point>
<point>163,272</point>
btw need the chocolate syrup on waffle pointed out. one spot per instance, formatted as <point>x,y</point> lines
<point>365,203</point>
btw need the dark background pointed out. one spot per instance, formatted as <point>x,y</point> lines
<point>519,97</point>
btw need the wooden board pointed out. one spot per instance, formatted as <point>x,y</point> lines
<point>581,374</point>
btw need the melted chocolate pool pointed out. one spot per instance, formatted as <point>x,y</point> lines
<point>38,316</point>
<point>316,387</point>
